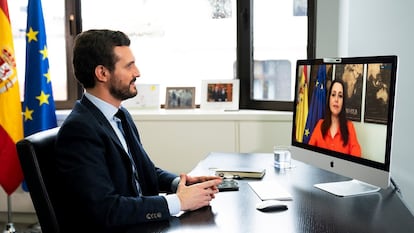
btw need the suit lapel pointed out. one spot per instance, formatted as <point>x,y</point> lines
<point>106,126</point>
<point>146,169</point>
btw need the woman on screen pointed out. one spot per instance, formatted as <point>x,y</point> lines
<point>335,132</point>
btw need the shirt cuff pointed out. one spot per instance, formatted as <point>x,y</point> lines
<point>174,205</point>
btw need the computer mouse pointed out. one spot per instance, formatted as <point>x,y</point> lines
<point>271,205</point>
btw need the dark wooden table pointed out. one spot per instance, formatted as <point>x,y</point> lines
<point>311,210</point>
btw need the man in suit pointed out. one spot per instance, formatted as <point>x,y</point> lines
<point>107,180</point>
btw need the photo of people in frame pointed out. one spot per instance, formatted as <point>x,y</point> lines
<point>220,92</point>
<point>180,97</point>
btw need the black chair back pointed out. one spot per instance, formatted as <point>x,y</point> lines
<point>36,154</point>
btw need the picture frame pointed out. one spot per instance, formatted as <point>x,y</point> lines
<point>180,98</point>
<point>220,94</point>
<point>148,97</point>
<point>352,76</point>
<point>377,93</point>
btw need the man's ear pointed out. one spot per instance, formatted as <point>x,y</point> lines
<point>101,73</point>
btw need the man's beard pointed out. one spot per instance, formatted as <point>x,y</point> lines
<point>122,93</point>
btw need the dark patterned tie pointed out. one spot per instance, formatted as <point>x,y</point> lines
<point>126,131</point>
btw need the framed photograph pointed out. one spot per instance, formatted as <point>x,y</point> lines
<point>351,75</point>
<point>377,93</point>
<point>180,97</point>
<point>148,97</point>
<point>220,94</point>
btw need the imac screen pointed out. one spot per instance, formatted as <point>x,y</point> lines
<point>342,120</point>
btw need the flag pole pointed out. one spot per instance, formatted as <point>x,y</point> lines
<point>9,225</point>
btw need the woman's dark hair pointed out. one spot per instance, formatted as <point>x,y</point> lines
<point>342,115</point>
<point>93,48</point>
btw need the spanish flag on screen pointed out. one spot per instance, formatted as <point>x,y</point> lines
<point>11,127</point>
<point>302,104</point>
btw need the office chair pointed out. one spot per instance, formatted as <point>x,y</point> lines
<point>36,154</point>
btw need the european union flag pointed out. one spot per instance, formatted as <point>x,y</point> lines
<point>317,104</point>
<point>39,105</point>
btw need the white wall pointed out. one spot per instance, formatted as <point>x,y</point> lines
<point>377,27</point>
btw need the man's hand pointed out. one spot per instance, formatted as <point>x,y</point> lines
<point>190,180</point>
<point>197,192</point>
<point>199,179</point>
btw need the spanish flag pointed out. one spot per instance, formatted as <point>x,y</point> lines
<point>302,104</point>
<point>11,123</point>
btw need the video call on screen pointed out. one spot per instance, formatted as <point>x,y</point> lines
<point>369,89</point>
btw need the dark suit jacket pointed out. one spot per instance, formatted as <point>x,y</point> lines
<point>96,191</point>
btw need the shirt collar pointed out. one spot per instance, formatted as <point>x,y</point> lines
<point>107,109</point>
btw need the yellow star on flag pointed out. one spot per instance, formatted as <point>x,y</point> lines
<point>43,98</point>
<point>307,132</point>
<point>27,114</point>
<point>32,35</point>
<point>44,52</point>
<point>47,76</point>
